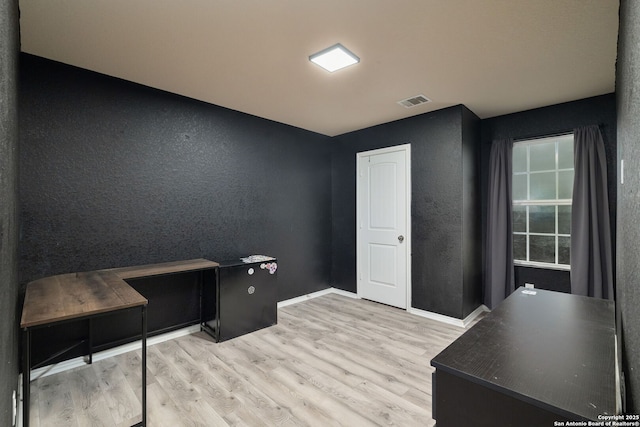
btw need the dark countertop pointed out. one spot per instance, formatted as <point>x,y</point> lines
<point>552,350</point>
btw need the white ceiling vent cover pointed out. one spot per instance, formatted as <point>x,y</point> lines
<point>413,101</point>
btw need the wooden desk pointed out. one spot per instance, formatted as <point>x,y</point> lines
<point>80,296</point>
<point>534,360</point>
<point>75,296</point>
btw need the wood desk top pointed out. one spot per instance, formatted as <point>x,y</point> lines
<point>74,295</point>
<point>138,271</point>
<point>553,350</point>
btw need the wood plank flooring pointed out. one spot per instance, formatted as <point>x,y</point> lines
<point>330,361</point>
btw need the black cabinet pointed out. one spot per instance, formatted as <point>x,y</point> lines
<point>539,357</point>
<point>245,298</point>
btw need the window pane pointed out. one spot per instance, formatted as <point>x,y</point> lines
<point>520,219</point>
<point>564,250</point>
<point>543,186</point>
<point>565,184</point>
<point>565,154</point>
<point>543,156</point>
<point>519,188</point>
<point>519,158</point>
<point>564,219</point>
<point>520,247</point>
<point>543,175</point>
<point>542,248</point>
<point>542,219</point>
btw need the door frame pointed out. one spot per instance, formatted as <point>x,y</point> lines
<point>406,148</point>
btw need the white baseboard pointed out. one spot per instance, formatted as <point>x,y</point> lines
<point>81,361</point>
<point>344,293</point>
<point>461,323</point>
<point>316,295</point>
<point>475,313</point>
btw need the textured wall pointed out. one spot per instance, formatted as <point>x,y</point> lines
<point>471,225</point>
<point>628,262</point>
<point>436,211</point>
<point>9,312</point>
<point>600,110</point>
<point>116,174</point>
<point>543,278</point>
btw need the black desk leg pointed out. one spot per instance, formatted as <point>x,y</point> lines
<point>144,365</point>
<point>90,341</point>
<point>26,377</point>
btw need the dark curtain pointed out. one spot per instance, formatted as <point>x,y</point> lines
<point>499,281</point>
<point>591,260</point>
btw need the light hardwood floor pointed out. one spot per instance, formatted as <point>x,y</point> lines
<point>330,361</point>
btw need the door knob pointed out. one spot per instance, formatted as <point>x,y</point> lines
<point>400,238</point>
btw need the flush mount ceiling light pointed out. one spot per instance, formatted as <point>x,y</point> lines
<point>334,58</point>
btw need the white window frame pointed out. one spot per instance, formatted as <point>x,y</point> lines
<point>551,202</point>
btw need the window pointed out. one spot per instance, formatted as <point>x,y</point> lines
<point>542,189</point>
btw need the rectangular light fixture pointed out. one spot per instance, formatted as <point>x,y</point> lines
<point>334,58</point>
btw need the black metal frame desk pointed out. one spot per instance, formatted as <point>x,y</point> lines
<point>72,297</point>
<point>535,359</point>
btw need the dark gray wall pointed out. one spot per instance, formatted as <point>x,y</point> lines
<point>9,313</point>
<point>628,242</point>
<point>471,225</point>
<point>115,174</point>
<point>438,247</point>
<point>599,110</point>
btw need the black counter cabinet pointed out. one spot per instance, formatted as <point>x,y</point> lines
<point>540,357</point>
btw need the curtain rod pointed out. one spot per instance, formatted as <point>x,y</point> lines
<point>550,135</point>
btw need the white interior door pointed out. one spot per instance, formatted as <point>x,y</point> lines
<point>383,225</point>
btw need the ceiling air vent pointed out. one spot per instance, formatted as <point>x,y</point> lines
<point>413,101</point>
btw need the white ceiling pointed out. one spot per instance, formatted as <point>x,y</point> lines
<point>494,56</point>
